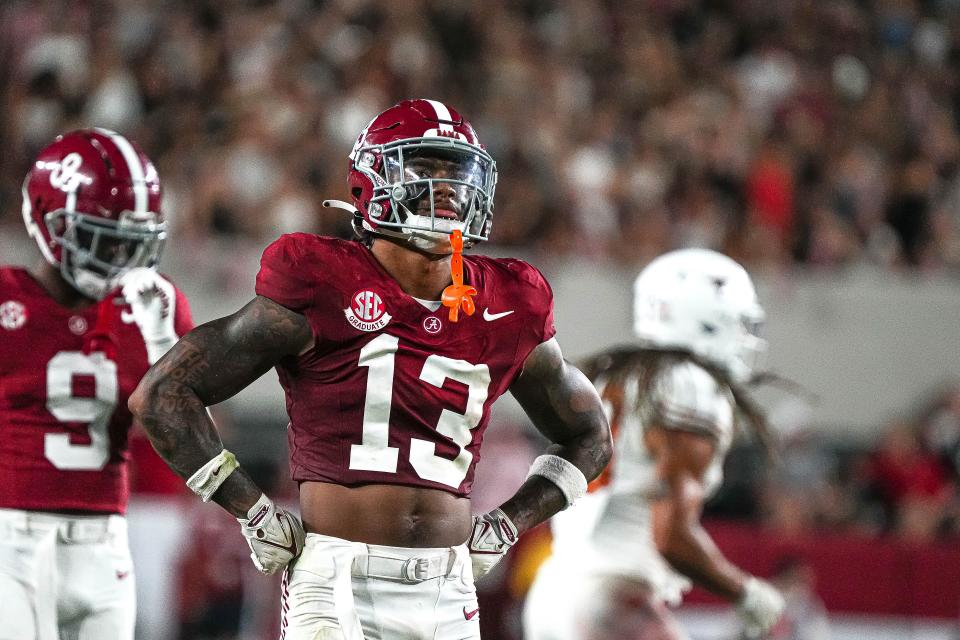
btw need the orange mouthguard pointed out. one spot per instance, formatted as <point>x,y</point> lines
<point>458,295</point>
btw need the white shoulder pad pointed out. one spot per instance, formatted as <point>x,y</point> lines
<point>685,396</point>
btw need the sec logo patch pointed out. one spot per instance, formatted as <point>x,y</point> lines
<point>367,311</point>
<point>13,315</point>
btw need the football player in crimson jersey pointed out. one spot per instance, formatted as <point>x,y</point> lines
<point>388,393</point>
<point>77,332</point>
<point>634,544</point>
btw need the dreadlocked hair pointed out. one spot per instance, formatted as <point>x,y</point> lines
<point>616,366</point>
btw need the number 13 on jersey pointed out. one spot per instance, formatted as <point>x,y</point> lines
<point>375,454</point>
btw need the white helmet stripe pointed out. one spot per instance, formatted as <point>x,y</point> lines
<point>33,229</point>
<point>137,177</point>
<point>442,114</point>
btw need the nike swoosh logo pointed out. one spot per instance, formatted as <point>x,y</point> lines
<point>495,316</point>
<point>469,615</point>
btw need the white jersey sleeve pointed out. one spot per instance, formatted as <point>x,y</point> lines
<point>686,396</point>
<point>683,396</point>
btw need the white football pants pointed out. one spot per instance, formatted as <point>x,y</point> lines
<point>568,601</point>
<point>65,577</point>
<point>342,590</point>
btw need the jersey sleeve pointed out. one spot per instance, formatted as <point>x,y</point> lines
<point>549,329</point>
<point>182,317</point>
<point>686,397</point>
<point>543,305</point>
<point>282,277</point>
<point>537,306</point>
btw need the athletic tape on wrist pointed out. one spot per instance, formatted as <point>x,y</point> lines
<point>210,476</point>
<point>562,473</point>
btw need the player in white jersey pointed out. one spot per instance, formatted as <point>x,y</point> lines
<point>633,546</point>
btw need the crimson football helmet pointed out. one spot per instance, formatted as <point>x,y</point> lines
<point>92,203</point>
<point>418,172</point>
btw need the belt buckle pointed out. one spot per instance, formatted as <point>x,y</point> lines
<point>415,570</point>
<point>82,532</point>
<point>67,531</point>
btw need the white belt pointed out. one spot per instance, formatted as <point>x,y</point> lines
<point>70,529</point>
<point>84,531</point>
<point>406,570</point>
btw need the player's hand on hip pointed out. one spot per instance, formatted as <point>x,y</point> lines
<point>760,607</point>
<point>152,301</point>
<point>275,536</point>
<point>492,536</point>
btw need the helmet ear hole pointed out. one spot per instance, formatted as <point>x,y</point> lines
<point>356,192</point>
<point>56,226</point>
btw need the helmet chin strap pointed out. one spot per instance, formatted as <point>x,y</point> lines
<point>340,204</point>
<point>433,243</point>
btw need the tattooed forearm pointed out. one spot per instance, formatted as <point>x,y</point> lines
<point>210,364</point>
<point>565,407</point>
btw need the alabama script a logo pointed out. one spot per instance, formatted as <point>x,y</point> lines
<point>367,311</point>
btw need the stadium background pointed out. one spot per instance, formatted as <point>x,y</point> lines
<point>815,141</point>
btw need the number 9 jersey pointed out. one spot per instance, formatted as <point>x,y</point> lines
<point>392,391</point>
<point>63,406</point>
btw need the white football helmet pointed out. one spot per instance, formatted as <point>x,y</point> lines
<point>703,302</point>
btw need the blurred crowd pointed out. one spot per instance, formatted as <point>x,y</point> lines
<point>787,131</point>
<point>904,486</point>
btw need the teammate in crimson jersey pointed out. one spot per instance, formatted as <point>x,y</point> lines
<point>77,332</point>
<point>389,377</point>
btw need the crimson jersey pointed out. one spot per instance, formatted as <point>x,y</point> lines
<point>392,392</point>
<point>63,412</point>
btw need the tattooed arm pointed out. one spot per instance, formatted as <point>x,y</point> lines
<point>208,365</point>
<point>563,406</point>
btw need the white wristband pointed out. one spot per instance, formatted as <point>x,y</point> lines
<point>210,476</point>
<point>562,473</point>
